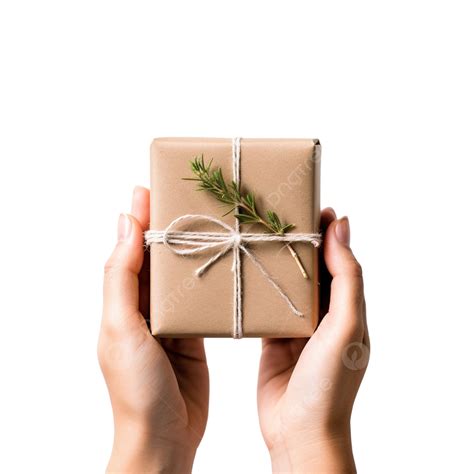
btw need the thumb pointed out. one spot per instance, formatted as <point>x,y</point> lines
<point>346,306</point>
<point>121,285</point>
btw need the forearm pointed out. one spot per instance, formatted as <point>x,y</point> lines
<point>325,456</point>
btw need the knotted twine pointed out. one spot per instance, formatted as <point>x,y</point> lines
<point>191,243</point>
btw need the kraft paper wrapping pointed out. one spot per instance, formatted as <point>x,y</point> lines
<point>284,174</point>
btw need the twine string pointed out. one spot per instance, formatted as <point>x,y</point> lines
<point>236,263</point>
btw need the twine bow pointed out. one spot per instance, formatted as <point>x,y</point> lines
<point>192,243</point>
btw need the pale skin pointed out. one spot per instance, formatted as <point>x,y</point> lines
<point>159,388</point>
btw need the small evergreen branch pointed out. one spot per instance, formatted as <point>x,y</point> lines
<point>242,204</point>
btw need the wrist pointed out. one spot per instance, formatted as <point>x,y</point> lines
<point>138,449</point>
<point>331,453</point>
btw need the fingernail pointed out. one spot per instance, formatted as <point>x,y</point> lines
<point>133,200</point>
<point>124,227</point>
<point>332,211</point>
<point>135,190</point>
<point>343,231</point>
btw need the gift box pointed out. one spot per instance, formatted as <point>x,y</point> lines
<point>215,275</point>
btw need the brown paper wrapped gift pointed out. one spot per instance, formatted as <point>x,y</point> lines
<point>284,175</point>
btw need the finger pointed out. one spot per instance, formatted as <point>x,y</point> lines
<point>141,206</point>
<point>347,302</point>
<point>327,216</point>
<point>278,358</point>
<point>121,274</point>
<point>180,350</point>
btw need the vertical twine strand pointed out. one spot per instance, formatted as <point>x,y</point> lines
<point>237,264</point>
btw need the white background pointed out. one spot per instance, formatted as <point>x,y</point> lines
<point>388,89</point>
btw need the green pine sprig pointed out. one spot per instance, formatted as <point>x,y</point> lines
<point>243,204</point>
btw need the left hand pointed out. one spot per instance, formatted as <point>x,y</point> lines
<point>159,389</point>
<point>307,387</point>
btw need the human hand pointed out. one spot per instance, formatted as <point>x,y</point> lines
<point>307,387</point>
<point>159,389</point>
